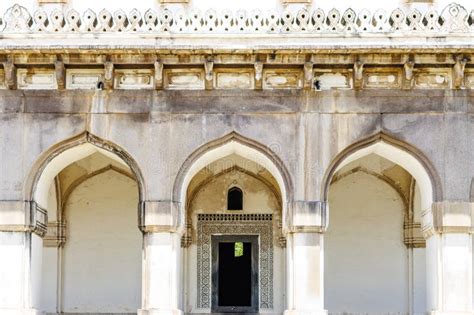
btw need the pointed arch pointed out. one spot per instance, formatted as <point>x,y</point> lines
<point>62,154</point>
<point>232,143</point>
<point>396,151</point>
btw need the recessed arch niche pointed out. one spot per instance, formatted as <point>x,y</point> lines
<point>202,188</point>
<point>91,189</point>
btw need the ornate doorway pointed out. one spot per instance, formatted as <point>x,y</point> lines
<point>235,274</point>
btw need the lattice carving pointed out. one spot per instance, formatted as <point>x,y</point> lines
<point>397,20</point>
<point>58,23</point>
<point>455,18</point>
<point>380,21</point>
<point>364,21</point>
<point>73,21</point>
<point>151,21</point>
<point>415,20</point>
<point>17,20</point>
<point>431,21</point>
<point>349,20</point>
<point>234,224</point>
<point>452,19</point>
<point>135,19</point>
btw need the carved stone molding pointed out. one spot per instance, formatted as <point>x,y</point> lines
<point>198,71</point>
<point>413,235</point>
<point>55,235</point>
<point>37,219</point>
<point>187,238</point>
<point>228,224</point>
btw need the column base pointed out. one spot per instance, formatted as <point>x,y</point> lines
<point>20,311</point>
<point>159,311</point>
<point>305,312</point>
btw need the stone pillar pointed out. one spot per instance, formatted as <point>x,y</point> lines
<point>448,230</point>
<point>22,226</point>
<point>161,284</point>
<point>305,259</point>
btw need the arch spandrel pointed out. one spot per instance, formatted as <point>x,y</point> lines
<point>398,152</point>
<point>69,151</point>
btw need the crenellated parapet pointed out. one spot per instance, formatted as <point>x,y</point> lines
<point>452,19</point>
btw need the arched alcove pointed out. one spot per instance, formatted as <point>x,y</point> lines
<point>91,189</point>
<point>377,190</point>
<point>208,178</point>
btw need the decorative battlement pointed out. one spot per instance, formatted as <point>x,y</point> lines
<point>188,50</point>
<point>453,19</point>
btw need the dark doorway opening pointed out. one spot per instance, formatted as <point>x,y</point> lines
<point>235,273</point>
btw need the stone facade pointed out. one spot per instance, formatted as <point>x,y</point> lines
<point>176,104</point>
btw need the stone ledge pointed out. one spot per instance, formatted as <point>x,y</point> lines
<point>23,216</point>
<point>448,217</point>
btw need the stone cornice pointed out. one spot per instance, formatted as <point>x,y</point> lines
<point>197,71</point>
<point>306,29</point>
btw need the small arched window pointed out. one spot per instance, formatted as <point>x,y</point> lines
<point>234,199</point>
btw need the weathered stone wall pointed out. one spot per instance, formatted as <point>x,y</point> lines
<point>306,129</point>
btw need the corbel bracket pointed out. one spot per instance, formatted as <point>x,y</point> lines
<point>258,74</point>
<point>458,71</point>
<point>10,73</point>
<point>60,70</point>
<point>209,67</point>
<point>408,68</point>
<point>358,73</point>
<point>308,74</point>
<point>158,74</point>
<point>109,74</point>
